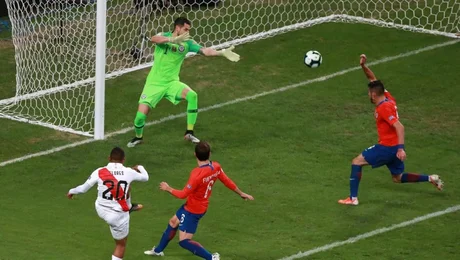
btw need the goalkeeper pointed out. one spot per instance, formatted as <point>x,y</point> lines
<point>163,79</point>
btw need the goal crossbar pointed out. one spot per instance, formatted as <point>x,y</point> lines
<point>270,33</point>
<point>65,53</point>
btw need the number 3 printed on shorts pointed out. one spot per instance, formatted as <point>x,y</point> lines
<point>370,147</point>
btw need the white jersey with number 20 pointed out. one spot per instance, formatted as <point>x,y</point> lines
<point>113,185</point>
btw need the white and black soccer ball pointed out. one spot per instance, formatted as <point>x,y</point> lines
<point>313,59</point>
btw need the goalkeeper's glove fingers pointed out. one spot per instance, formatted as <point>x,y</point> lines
<point>229,54</point>
<point>179,39</point>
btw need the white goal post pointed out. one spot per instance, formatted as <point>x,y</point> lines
<point>66,49</point>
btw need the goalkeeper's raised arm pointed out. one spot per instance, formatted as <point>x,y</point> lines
<point>174,38</point>
<point>227,53</point>
<point>177,39</point>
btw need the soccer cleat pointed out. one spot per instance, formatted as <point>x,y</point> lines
<point>135,141</point>
<point>152,252</point>
<point>136,207</point>
<point>215,256</point>
<point>349,201</point>
<point>190,137</point>
<point>436,181</point>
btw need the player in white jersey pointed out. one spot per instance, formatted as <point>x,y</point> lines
<point>113,204</point>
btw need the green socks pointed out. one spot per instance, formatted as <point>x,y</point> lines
<point>139,123</point>
<point>192,109</point>
<point>192,113</point>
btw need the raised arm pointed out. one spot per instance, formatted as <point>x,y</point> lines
<point>369,74</point>
<point>159,38</point>
<point>143,175</point>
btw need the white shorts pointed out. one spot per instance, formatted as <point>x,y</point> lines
<point>118,221</point>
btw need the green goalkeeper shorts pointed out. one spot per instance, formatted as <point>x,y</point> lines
<point>153,92</point>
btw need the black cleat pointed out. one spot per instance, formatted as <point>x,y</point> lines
<point>136,207</point>
<point>135,141</point>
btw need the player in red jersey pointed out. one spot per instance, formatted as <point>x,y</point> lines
<point>197,191</point>
<point>390,148</point>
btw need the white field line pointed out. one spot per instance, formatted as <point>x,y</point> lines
<point>234,101</point>
<point>376,232</point>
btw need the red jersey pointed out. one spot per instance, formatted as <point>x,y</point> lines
<point>199,187</point>
<point>386,114</point>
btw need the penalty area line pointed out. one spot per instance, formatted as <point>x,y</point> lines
<point>376,232</point>
<point>231,102</point>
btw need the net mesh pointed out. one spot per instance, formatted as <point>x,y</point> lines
<point>55,40</point>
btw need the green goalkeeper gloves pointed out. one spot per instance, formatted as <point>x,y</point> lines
<point>179,39</point>
<point>229,54</point>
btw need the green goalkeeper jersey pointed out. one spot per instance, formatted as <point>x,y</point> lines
<point>168,59</point>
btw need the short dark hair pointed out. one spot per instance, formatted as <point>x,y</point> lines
<point>181,21</point>
<point>377,87</point>
<point>117,154</point>
<point>202,151</point>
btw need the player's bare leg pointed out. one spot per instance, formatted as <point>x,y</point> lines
<point>356,168</point>
<point>186,242</point>
<point>415,177</point>
<point>139,123</point>
<point>192,113</point>
<point>120,246</point>
<point>168,235</point>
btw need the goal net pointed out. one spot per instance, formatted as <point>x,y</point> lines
<point>55,41</point>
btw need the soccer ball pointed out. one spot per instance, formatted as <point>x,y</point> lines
<point>313,59</point>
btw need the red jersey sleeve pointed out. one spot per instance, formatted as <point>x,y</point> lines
<point>189,187</point>
<point>226,180</point>
<point>389,96</point>
<point>389,114</point>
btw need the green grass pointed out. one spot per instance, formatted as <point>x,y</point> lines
<point>291,150</point>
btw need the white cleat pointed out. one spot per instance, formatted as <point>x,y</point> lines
<point>215,256</point>
<point>436,181</point>
<point>153,253</point>
<point>190,137</point>
<point>349,201</point>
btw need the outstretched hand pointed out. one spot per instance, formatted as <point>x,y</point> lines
<point>229,54</point>
<point>362,59</point>
<point>180,38</point>
<point>164,186</point>
<point>246,196</point>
